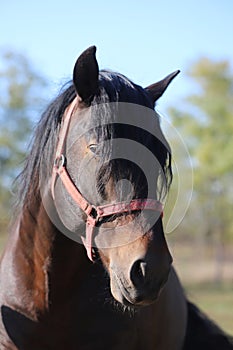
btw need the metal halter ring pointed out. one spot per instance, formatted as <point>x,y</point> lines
<point>60,161</point>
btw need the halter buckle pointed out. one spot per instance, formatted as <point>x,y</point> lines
<point>60,161</point>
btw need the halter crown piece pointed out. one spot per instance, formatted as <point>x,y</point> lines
<point>93,213</point>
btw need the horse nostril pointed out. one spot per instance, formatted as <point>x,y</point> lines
<point>138,273</point>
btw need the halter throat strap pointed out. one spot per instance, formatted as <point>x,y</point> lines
<point>93,213</point>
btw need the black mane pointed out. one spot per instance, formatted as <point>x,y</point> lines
<point>113,87</point>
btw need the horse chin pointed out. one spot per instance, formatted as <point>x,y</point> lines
<point>135,304</point>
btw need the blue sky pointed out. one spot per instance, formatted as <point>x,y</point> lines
<point>145,40</point>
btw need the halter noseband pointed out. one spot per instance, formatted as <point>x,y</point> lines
<point>94,213</point>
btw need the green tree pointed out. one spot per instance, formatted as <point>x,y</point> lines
<point>21,94</point>
<point>206,123</point>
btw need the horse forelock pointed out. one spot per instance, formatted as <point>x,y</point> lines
<point>115,87</point>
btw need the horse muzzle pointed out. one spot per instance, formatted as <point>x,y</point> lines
<point>141,287</point>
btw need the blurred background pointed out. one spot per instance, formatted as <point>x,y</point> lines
<point>39,43</point>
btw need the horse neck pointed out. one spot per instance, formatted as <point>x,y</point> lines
<point>41,263</point>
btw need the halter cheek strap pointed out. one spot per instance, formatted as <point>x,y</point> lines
<point>93,213</point>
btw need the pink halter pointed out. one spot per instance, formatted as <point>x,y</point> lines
<point>94,214</point>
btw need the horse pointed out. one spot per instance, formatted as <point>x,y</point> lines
<point>86,265</point>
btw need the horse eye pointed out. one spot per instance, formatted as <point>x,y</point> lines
<point>93,148</point>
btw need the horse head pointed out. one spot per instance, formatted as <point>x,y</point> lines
<point>112,167</point>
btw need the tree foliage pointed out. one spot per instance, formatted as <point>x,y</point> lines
<point>206,123</point>
<point>21,94</point>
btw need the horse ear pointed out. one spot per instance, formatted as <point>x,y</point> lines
<point>86,74</point>
<point>156,90</point>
